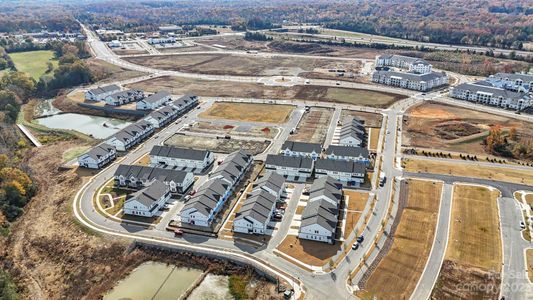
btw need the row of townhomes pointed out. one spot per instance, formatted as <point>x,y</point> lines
<point>113,95</point>
<point>298,160</point>
<point>203,207</point>
<point>148,201</point>
<point>154,101</point>
<point>352,132</point>
<point>485,92</point>
<point>321,214</point>
<point>133,134</point>
<point>136,177</point>
<point>185,159</point>
<point>258,208</point>
<point>416,74</point>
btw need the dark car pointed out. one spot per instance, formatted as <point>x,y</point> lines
<point>355,246</point>
<point>360,239</point>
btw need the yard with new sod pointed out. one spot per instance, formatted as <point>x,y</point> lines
<point>474,252</point>
<point>398,273</point>
<point>499,173</point>
<point>33,62</point>
<point>250,112</point>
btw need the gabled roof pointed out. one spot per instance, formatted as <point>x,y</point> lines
<point>289,161</point>
<point>272,180</point>
<point>347,151</point>
<point>514,76</point>
<point>320,212</point>
<point>489,89</point>
<point>302,147</point>
<point>412,76</point>
<point>178,152</point>
<point>150,173</point>
<point>340,166</point>
<point>155,98</point>
<point>98,151</point>
<point>105,89</point>
<point>150,194</point>
<point>258,206</point>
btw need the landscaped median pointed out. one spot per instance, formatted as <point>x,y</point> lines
<point>473,261</point>
<point>498,173</point>
<point>398,272</point>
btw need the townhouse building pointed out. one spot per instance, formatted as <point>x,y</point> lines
<point>131,135</point>
<point>147,201</point>
<point>301,149</point>
<point>98,156</point>
<point>136,176</point>
<point>161,117</point>
<point>124,97</point>
<point>191,160</point>
<point>356,154</point>
<point>99,93</point>
<point>293,168</point>
<point>154,101</point>
<point>350,173</point>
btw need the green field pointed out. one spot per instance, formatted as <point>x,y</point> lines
<point>33,62</point>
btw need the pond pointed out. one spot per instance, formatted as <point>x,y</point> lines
<point>154,280</point>
<point>97,127</point>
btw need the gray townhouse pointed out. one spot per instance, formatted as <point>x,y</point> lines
<point>348,153</point>
<point>161,117</point>
<point>301,149</point>
<point>136,176</point>
<point>352,132</point>
<point>350,173</point>
<point>99,93</point>
<point>124,97</point>
<point>98,156</point>
<point>293,168</point>
<point>131,135</point>
<point>185,103</point>
<point>154,101</point>
<point>186,159</point>
<point>147,201</point>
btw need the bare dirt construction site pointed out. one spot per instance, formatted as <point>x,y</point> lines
<point>214,88</point>
<point>219,145</point>
<point>313,126</point>
<point>232,129</point>
<point>107,72</point>
<point>400,269</point>
<point>249,65</point>
<point>248,112</point>
<point>445,127</point>
<point>474,253</point>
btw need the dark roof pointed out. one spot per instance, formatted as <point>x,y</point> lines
<point>177,152</point>
<point>495,91</point>
<point>150,173</point>
<point>154,98</point>
<point>105,89</point>
<point>347,151</point>
<point>514,76</point>
<point>320,212</point>
<point>150,194</point>
<point>340,166</point>
<point>272,180</point>
<point>289,161</point>
<point>98,151</point>
<point>258,206</point>
<point>302,147</point>
<point>412,76</point>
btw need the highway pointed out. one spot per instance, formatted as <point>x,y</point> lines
<point>317,285</point>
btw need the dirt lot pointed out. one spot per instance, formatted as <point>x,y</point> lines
<point>213,88</point>
<point>107,72</point>
<point>249,112</point>
<point>313,126</point>
<point>529,262</point>
<point>398,272</point>
<point>466,170</point>
<point>474,246</point>
<point>371,119</point>
<point>308,252</point>
<point>439,126</point>
<point>217,145</point>
<point>249,65</point>
<point>223,129</point>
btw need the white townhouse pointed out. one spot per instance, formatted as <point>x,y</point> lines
<point>185,102</point>
<point>154,101</point>
<point>357,154</point>
<point>99,93</point>
<point>321,214</point>
<point>131,135</point>
<point>135,176</point>
<point>255,214</point>
<point>147,201</point>
<point>204,206</point>
<point>412,64</point>
<point>301,149</point>
<point>98,156</point>
<point>484,92</point>
<point>195,161</point>
<point>271,182</point>
<point>161,117</point>
<point>124,97</point>
<point>352,132</point>
<point>290,167</point>
<point>348,172</point>
<point>411,81</point>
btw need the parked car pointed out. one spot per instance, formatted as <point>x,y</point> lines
<point>355,246</point>
<point>337,83</point>
<point>360,239</point>
<point>192,192</point>
<point>522,225</point>
<point>187,198</point>
<point>288,294</point>
<point>178,232</point>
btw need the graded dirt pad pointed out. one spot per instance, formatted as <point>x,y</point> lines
<point>351,220</point>
<point>250,112</point>
<point>474,254</point>
<point>217,145</point>
<point>229,128</point>
<point>356,199</point>
<point>499,173</point>
<point>110,73</point>
<point>313,126</point>
<point>215,88</point>
<point>529,264</point>
<point>309,252</point>
<point>399,271</point>
<point>370,119</point>
<point>439,126</point>
<point>249,65</point>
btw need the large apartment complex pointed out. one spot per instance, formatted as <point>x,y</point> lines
<point>484,92</point>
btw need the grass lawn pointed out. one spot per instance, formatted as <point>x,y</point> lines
<point>469,170</point>
<point>33,62</point>
<point>398,272</point>
<point>309,252</point>
<point>529,259</point>
<point>72,153</point>
<point>474,233</point>
<point>250,112</point>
